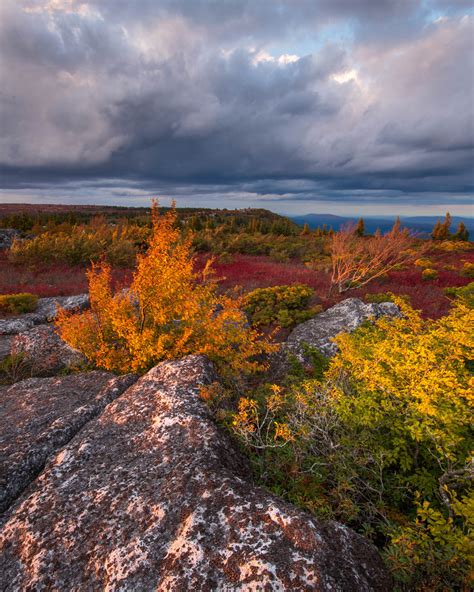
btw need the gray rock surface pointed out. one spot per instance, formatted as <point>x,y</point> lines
<point>5,345</point>
<point>45,312</point>
<point>44,350</point>
<point>39,415</point>
<point>344,317</point>
<point>151,495</point>
<point>7,236</point>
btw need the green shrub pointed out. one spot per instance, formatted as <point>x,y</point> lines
<point>283,305</point>
<point>383,443</point>
<point>464,293</point>
<point>380,297</point>
<point>423,262</point>
<point>18,303</point>
<point>429,274</point>
<point>14,368</point>
<point>82,244</point>
<point>468,270</point>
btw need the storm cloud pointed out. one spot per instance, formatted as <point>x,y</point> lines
<point>272,102</point>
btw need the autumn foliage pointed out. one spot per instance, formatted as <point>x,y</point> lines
<point>169,311</point>
<point>383,443</point>
<point>357,260</point>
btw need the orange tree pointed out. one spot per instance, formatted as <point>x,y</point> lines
<point>170,311</point>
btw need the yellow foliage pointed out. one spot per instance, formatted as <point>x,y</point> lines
<point>170,311</point>
<point>410,376</point>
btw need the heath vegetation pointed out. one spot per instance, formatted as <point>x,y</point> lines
<point>379,437</point>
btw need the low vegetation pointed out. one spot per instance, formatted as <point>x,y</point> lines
<point>169,311</point>
<point>379,438</point>
<point>281,305</point>
<point>18,303</point>
<point>358,260</point>
<point>382,443</point>
<point>82,244</point>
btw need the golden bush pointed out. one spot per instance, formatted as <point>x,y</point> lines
<point>170,311</point>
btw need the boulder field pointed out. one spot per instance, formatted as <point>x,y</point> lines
<point>120,486</point>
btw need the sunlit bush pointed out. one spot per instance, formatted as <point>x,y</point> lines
<point>81,245</point>
<point>468,269</point>
<point>283,305</point>
<point>383,443</point>
<point>429,274</point>
<point>423,262</point>
<point>169,311</point>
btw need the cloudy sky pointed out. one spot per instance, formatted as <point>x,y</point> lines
<point>334,106</point>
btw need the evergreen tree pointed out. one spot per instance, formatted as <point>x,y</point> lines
<point>396,225</point>
<point>360,228</point>
<point>436,230</point>
<point>444,233</point>
<point>462,232</point>
<point>305,230</point>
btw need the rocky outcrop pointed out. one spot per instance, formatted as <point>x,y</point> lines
<point>319,332</point>
<point>151,495</point>
<point>7,236</point>
<point>46,311</point>
<point>5,346</point>
<point>44,352</point>
<point>39,415</point>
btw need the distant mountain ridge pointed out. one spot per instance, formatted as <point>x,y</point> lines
<point>422,224</point>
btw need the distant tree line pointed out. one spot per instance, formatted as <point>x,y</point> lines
<point>442,230</point>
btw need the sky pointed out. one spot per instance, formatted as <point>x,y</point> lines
<point>349,107</point>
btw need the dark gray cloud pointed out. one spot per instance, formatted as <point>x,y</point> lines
<point>303,100</point>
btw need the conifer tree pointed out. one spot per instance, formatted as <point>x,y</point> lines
<point>462,232</point>
<point>360,228</point>
<point>445,227</point>
<point>436,230</point>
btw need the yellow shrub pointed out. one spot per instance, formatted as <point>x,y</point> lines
<point>468,269</point>
<point>429,274</point>
<point>423,262</point>
<point>170,311</point>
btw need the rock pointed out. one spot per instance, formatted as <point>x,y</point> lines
<point>5,345</point>
<point>7,236</point>
<point>44,350</point>
<point>39,415</point>
<point>151,495</point>
<point>46,311</point>
<point>320,331</point>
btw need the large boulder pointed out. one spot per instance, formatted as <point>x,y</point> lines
<point>39,415</point>
<point>44,352</point>
<point>45,312</point>
<point>151,495</point>
<point>319,332</point>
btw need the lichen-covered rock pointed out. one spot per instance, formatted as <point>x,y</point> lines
<point>5,346</point>
<point>46,311</point>
<point>44,351</point>
<point>151,495</point>
<point>39,415</point>
<point>7,236</point>
<point>319,332</point>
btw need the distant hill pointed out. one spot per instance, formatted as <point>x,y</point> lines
<point>421,224</point>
